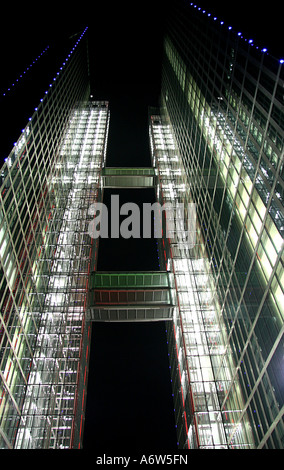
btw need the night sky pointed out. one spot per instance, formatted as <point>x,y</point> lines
<point>129,403</point>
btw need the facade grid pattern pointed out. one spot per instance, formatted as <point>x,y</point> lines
<point>53,410</point>
<point>198,331</point>
<point>217,145</point>
<point>38,186</point>
<point>224,101</point>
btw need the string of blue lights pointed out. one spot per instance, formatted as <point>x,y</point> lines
<point>58,73</point>
<point>23,74</point>
<point>63,64</point>
<point>66,60</point>
<point>239,33</point>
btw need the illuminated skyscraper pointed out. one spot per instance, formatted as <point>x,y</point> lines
<point>48,182</point>
<point>218,142</point>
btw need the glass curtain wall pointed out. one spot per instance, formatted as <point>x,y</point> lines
<point>53,409</point>
<point>197,332</point>
<point>223,97</point>
<point>38,192</point>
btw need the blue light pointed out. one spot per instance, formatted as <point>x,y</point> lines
<point>230,27</point>
<point>239,34</point>
<point>281,61</point>
<point>221,22</point>
<point>250,41</point>
<point>264,49</point>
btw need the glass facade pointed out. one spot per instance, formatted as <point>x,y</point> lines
<point>217,149</point>
<point>222,115</point>
<point>48,182</point>
<point>196,335</point>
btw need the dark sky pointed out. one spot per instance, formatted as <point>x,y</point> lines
<point>125,44</point>
<point>129,404</point>
<point>129,396</point>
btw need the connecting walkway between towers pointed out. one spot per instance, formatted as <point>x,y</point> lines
<point>130,296</point>
<point>128,177</point>
<point>146,177</point>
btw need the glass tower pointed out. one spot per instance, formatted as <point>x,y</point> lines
<point>48,182</point>
<point>217,141</point>
<point>217,151</point>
